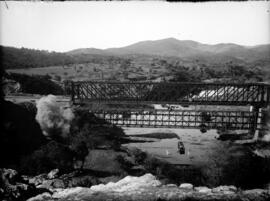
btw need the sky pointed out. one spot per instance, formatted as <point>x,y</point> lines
<point>63,26</point>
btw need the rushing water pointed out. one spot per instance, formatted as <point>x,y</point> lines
<point>197,145</point>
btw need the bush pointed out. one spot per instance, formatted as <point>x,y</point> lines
<point>84,127</point>
<point>184,174</point>
<point>236,166</point>
<point>50,156</point>
<point>125,164</point>
<point>139,155</point>
<point>80,150</point>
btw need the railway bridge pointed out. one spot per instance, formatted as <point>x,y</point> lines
<point>252,96</point>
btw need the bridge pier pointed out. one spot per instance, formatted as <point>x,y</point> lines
<point>265,117</point>
<point>254,123</point>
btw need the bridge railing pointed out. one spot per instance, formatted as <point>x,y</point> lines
<point>171,93</point>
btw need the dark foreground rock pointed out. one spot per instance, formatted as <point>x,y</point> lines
<point>20,134</point>
<point>53,180</point>
<point>14,187</point>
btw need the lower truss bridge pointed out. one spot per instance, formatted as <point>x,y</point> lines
<point>233,120</point>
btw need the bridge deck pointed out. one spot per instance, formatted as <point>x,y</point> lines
<point>170,93</point>
<point>236,120</point>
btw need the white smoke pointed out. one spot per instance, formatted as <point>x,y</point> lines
<point>53,118</point>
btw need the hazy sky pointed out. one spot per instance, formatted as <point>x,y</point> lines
<point>64,26</point>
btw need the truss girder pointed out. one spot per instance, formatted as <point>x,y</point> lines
<point>191,93</point>
<point>235,120</point>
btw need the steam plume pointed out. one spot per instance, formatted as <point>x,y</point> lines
<point>53,119</point>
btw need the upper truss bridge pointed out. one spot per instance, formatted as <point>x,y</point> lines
<point>170,93</point>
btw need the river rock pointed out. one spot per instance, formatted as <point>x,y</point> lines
<point>203,189</point>
<point>41,197</point>
<point>83,181</point>
<point>256,194</point>
<point>129,183</point>
<point>106,180</point>
<point>47,184</point>
<point>39,179</point>
<point>186,186</point>
<point>53,174</point>
<point>224,189</point>
<point>13,187</point>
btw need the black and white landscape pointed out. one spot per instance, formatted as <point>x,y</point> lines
<point>62,142</point>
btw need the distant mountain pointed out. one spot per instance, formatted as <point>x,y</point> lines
<point>185,49</point>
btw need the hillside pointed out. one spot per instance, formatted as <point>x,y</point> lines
<point>169,59</point>
<point>16,58</point>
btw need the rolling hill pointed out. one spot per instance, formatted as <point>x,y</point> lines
<point>187,49</point>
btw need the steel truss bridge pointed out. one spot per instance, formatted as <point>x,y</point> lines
<point>255,95</point>
<point>179,118</point>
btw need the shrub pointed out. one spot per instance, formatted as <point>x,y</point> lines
<point>50,156</point>
<point>125,164</point>
<point>139,155</point>
<point>80,150</point>
<point>236,166</point>
<point>85,127</point>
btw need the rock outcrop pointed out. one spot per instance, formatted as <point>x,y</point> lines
<point>148,188</point>
<point>14,187</point>
<point>54,187</point>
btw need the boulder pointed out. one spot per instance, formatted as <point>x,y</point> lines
<point>83,181</point>
<point>39,179</point>
<point>203,189</point>
<point>186,186</point>
<point>9,175</point>
<point>224,189</point>
<point>58,183</point>
<point>256,194</point>
<point>106,180</point>
<point>13,187</point>
<point>41,197</point>
<point>129,183</point>
<point>46,184</point>
<point>53,174</point>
